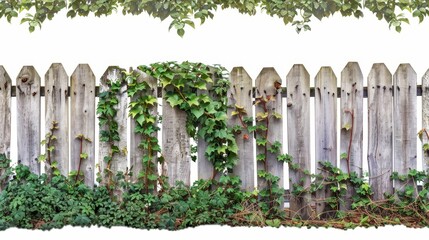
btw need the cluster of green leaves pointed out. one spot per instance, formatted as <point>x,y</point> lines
<point>146,122</point>
<point>109,133</point>
<point>50,163</point>
<point>183,13</point>
<point>32,201</point>
<point>200,91</point>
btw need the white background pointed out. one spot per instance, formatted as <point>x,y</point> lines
<point>232,40</point>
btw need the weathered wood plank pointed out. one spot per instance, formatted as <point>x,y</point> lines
<point>205,167</point>
<point>176,145</point>
<point>83,121</point>
<point>405,122</point>
<point>57,110</point>
<point>298,127</point>
<point>118,162</point>
<point>326,128</point>
<point>268,92</point>
<point>5,117</point>
<point>137,153</point>
<point>351,136</point>
<point>240,94</point>
<point>425,118</point>
<point>380,143</point>
<point>28,117</point>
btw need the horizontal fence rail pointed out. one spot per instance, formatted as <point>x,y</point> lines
<point>392,124</point>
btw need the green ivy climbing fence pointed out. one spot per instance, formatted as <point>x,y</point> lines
<point>230,119</point>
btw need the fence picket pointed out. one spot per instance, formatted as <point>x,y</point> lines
<point>351,115</point>
<point>298,127</point>
<point>137,153</point>
<point>83,121</point>
<point>268,86</point>
<point>175,144</point>
<point>5,117</point>
<point>326,128</point>
<point>405,122</point>
<point>28,117</point>
<point>240,94</point>
<point>57,109</point>
<point>380,143</point>
<point>119,160</point>
<point>425,119</point>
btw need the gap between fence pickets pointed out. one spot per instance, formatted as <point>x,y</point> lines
<point>380,90</point>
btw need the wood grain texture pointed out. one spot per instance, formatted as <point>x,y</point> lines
<point>425,118</point>
<point>57,109</point>
<point>405,122</point>
<point>298,135</point>
<point>83,120</point>
<point>268,86</point>
<point>351,117</point>
<point>28,117</point>
<point>240,93</point>
<point>5,117</point>
<point>119,160</point>
<point>136,153</point>
<point>176,145</point>
<point>326,128</point>
<point>380,143</point>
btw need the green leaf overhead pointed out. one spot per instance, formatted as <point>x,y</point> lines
<point>185,13</point>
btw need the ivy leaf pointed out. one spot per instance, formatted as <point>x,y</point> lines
<point>343,156</point>
<point>83,155</point>
<point>140,119</point>
<point>198,112</point>
<point>347,126</point>
<point>174,100</point>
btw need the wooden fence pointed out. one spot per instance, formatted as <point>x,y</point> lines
<point>392,122</point>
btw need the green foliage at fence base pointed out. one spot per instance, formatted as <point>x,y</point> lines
<point>34,202</point>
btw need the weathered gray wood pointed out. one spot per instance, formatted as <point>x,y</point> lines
<point>351,136</point>
<point>136,153</point>
<point>298,127</point>
<point>268,89</point>
<point>119,160</point>
<point>83,121</point>
<point>405,122</point>
<point>28,117</point>
<point>205,167</point>
<point>240,94</point>
<point>5,117</point>
<point>57,109</point>
<point>425,118</point>
<point>176,145</point>
<point>326,128</point>
<point>380,143</point>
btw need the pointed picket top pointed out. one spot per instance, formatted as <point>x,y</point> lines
<point>268,81</point>
<point>57,110</point>
<point>5,118</point>
<point>28,117</point>
<point>240,94</point>
<point>425,118</point>
<point>298,135</point>
<point>118,161</point>
<point>268,85</point>
<point>82,93</point>
<point>380,130</point>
